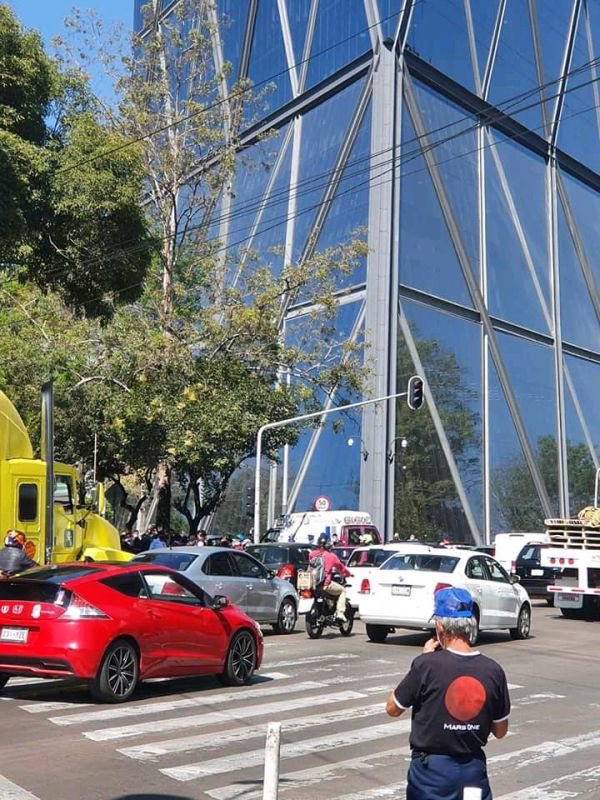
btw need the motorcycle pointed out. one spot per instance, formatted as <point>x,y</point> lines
<point>322,614</point>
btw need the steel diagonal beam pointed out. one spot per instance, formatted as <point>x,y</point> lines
<point>593,67</point>
<point>539,65</point>
<point>472,45</point>
<point>288,45</point>
<point>476,296</point>
<point>491,59</point>
<point>310,32</point>
<point>566,66</point>
<point>586,267</point>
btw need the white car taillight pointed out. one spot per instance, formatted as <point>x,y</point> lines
<point>79,608</point>
<point>365,586</point>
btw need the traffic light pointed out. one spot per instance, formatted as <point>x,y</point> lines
<point>250,501</point>
<point>414,396</point>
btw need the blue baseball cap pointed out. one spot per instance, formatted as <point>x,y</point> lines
<point>453,602</point>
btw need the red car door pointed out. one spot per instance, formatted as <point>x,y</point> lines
<point>193,636</point>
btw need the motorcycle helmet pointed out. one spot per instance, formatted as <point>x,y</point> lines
<point>15,539</point>
<point>325,542</point>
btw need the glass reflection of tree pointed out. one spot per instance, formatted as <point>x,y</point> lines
<point>426,503</point>
<point>516,496</point>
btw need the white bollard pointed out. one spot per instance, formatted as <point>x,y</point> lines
<point>271,781</point>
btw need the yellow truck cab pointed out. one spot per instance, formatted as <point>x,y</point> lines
<point>78,532</point>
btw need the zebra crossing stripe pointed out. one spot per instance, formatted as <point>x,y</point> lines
<point>538,753</point>
<point>306,778</point>
<point>298,662</point>
<point>252,758</point>
<point>205,742</point>
<point>43,708</point>
<point>207,718</point>
<point>551,789</point>
<point>10,791</point>
<point>203,699</point>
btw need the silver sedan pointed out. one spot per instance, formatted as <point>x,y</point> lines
<point>240,576</point>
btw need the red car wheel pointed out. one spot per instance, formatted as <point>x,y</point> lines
<point>241,660</point>
<point>118,675</point>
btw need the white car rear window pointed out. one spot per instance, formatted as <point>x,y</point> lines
<point>425,562</point>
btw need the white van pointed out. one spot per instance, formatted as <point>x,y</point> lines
<point>509,545</point>
<point>342,527</point>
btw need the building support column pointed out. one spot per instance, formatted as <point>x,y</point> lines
<point>379,308</point>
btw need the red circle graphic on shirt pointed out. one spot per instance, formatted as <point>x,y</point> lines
<point>465,698</point>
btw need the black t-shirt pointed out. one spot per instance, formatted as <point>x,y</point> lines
<point>454,700</point>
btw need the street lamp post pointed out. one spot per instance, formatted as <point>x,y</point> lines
<point>291,421</point>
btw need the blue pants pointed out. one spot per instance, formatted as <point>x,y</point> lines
<point>432,777</point>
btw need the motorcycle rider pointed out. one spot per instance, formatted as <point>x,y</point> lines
<point>332,564</point>
<point>12,557</point>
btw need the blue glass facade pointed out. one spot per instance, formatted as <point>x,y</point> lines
<point>475,127</point>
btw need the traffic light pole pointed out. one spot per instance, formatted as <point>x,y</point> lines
<point>291,421</point>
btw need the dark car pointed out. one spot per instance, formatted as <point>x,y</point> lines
<point>532,575</point>
<point>284,558</point>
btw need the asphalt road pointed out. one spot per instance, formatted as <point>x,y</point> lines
<point>196,740</point>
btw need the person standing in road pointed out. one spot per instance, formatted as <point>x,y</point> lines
<point>458,697</point>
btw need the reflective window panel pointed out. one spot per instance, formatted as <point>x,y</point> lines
<point>341,35</point>
<point>518,267</point>
<point>428,256</point>
<point>232,16</point>
<point>450,350</point>
<point>297,13</point>
<point>439,34</point>
<point>324,455</point>
<point>582,440</point>
<point>268,67</point>
<point>578,132</point>
<point>579,320</point>
<point>323,131</point>
<point>514,84</point>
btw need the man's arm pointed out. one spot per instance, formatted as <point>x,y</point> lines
<point>392,707</point>
<point>500,729</point>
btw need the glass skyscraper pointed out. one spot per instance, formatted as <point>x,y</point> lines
<point>462,138</point>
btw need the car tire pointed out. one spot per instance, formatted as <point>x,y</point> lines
<point>474,637</point>
<point>118,674</point>
<point>377,633</point>
<point>523,629</point>
<point>286,619</point>
<point>241,660</point>
<point>4,679</point>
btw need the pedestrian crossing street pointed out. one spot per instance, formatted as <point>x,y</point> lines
<point>337,741</point>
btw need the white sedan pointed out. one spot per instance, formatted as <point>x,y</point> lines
<point>366,560</point>
<point>401,593</point>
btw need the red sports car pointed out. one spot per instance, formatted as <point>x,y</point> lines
<point>116,625</point>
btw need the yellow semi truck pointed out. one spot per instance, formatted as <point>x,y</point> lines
<point>41,497</point>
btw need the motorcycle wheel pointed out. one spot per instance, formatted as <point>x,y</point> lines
<point>346,627</point>
<point>313,628</point>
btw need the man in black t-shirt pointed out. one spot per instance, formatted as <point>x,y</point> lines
<point>458,697</point>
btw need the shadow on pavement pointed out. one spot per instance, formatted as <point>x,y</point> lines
<point>152,796</point>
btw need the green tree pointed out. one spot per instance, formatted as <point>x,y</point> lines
<point>515,492</point>
<point>63,220</point>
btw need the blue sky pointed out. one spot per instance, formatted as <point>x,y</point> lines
<point>47,15</point>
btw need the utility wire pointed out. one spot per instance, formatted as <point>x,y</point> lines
<point>352,189</point>
<point>315,183</point>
